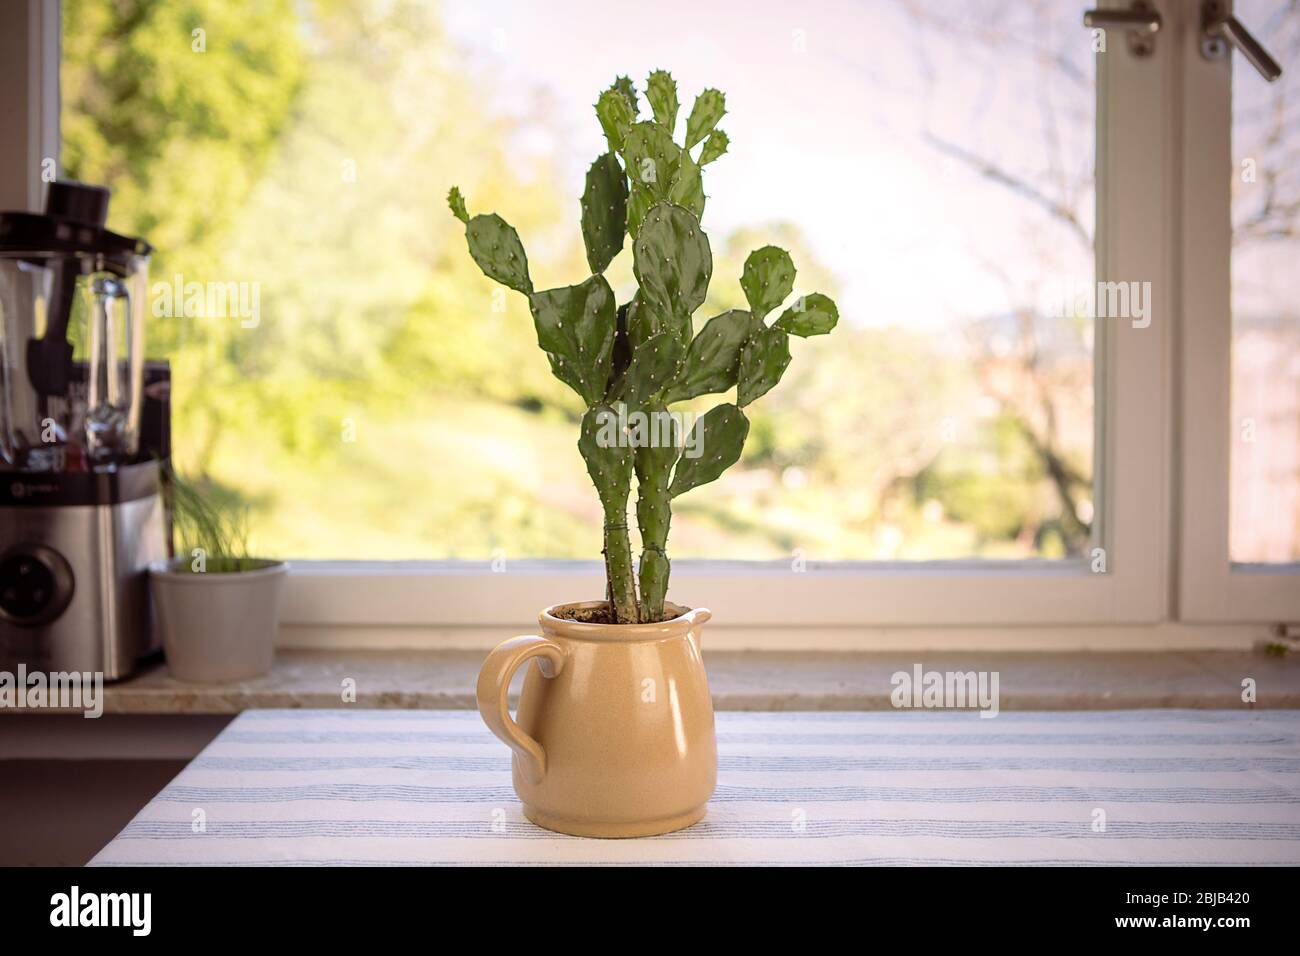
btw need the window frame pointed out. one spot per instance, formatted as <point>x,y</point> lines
<point>1149,186</point>
<point>1213,588</point>
<point>1133,456</point>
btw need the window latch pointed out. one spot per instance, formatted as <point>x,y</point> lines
<point>1221,31</point>
<point>1141,20</point>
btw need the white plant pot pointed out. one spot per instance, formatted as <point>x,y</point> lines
<point>217,626</point>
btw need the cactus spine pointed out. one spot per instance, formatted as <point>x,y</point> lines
<point>629,362</point>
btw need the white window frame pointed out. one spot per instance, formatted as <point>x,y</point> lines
<point>1141,160</point>
<point>1133,470</point>
<point>1212,587</point>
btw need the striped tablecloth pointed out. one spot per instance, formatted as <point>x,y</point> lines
<point>1071,788</point>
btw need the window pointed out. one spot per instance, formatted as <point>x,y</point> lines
<point>1264,517</point>
<point>951,416</point>
<point>1017,422</point>
<point>1240,377</point>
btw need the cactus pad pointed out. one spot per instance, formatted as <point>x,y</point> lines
<point>625,86</point>
<point>762,363</point>
<point>767,280</point>
<point>687,189</point>
<point>616,117</point>
<point>645,320</point>
<point>576,325</point>
<point>673,263</point>
<point>604,212</point>
<point>457,203</point>
<point>813,314</point>
<point>640,201</point>
<point>655,364</point>
<point>720,435</point>
<point>713,360</point>
<point>661,92</point>
<point>496,248</point>
<point>710,106</point>
<point>651,158</point>
<point>714,147</point>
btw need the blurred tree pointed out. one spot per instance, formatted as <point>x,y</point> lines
<point>177,107</point>
<point>1052,186</point>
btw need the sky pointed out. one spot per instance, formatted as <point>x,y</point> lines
<point>828,106</point>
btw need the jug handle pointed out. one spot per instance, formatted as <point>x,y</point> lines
<point>494,689</point>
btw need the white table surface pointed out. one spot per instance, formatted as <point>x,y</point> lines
<point>324,787</point>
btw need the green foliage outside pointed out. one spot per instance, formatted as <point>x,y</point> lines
<point>392,402</point>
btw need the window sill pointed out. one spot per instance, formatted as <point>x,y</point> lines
<point>747,680</point>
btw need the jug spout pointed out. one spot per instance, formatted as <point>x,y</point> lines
<point>698,618</point>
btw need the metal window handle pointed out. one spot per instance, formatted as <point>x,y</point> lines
<point>1141,21</point>
<point>1140,18</point>
<point>1220,30</point>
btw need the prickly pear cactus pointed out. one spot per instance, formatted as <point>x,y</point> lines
<point>629,363</point>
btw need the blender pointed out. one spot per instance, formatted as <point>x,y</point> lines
<point>83,432</point>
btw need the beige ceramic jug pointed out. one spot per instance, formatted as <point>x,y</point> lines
<point>615,730</point>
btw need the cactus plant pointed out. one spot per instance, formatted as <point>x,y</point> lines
<point>630,362</point>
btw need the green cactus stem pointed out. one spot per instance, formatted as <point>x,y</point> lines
<point>655,364</point>
<point>654,468</point>
<point>609,463</point>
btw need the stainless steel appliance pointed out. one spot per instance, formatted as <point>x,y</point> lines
<point>81,440</point>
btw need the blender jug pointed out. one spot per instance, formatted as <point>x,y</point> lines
<point>72,300</point>
<point>110,425</point>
